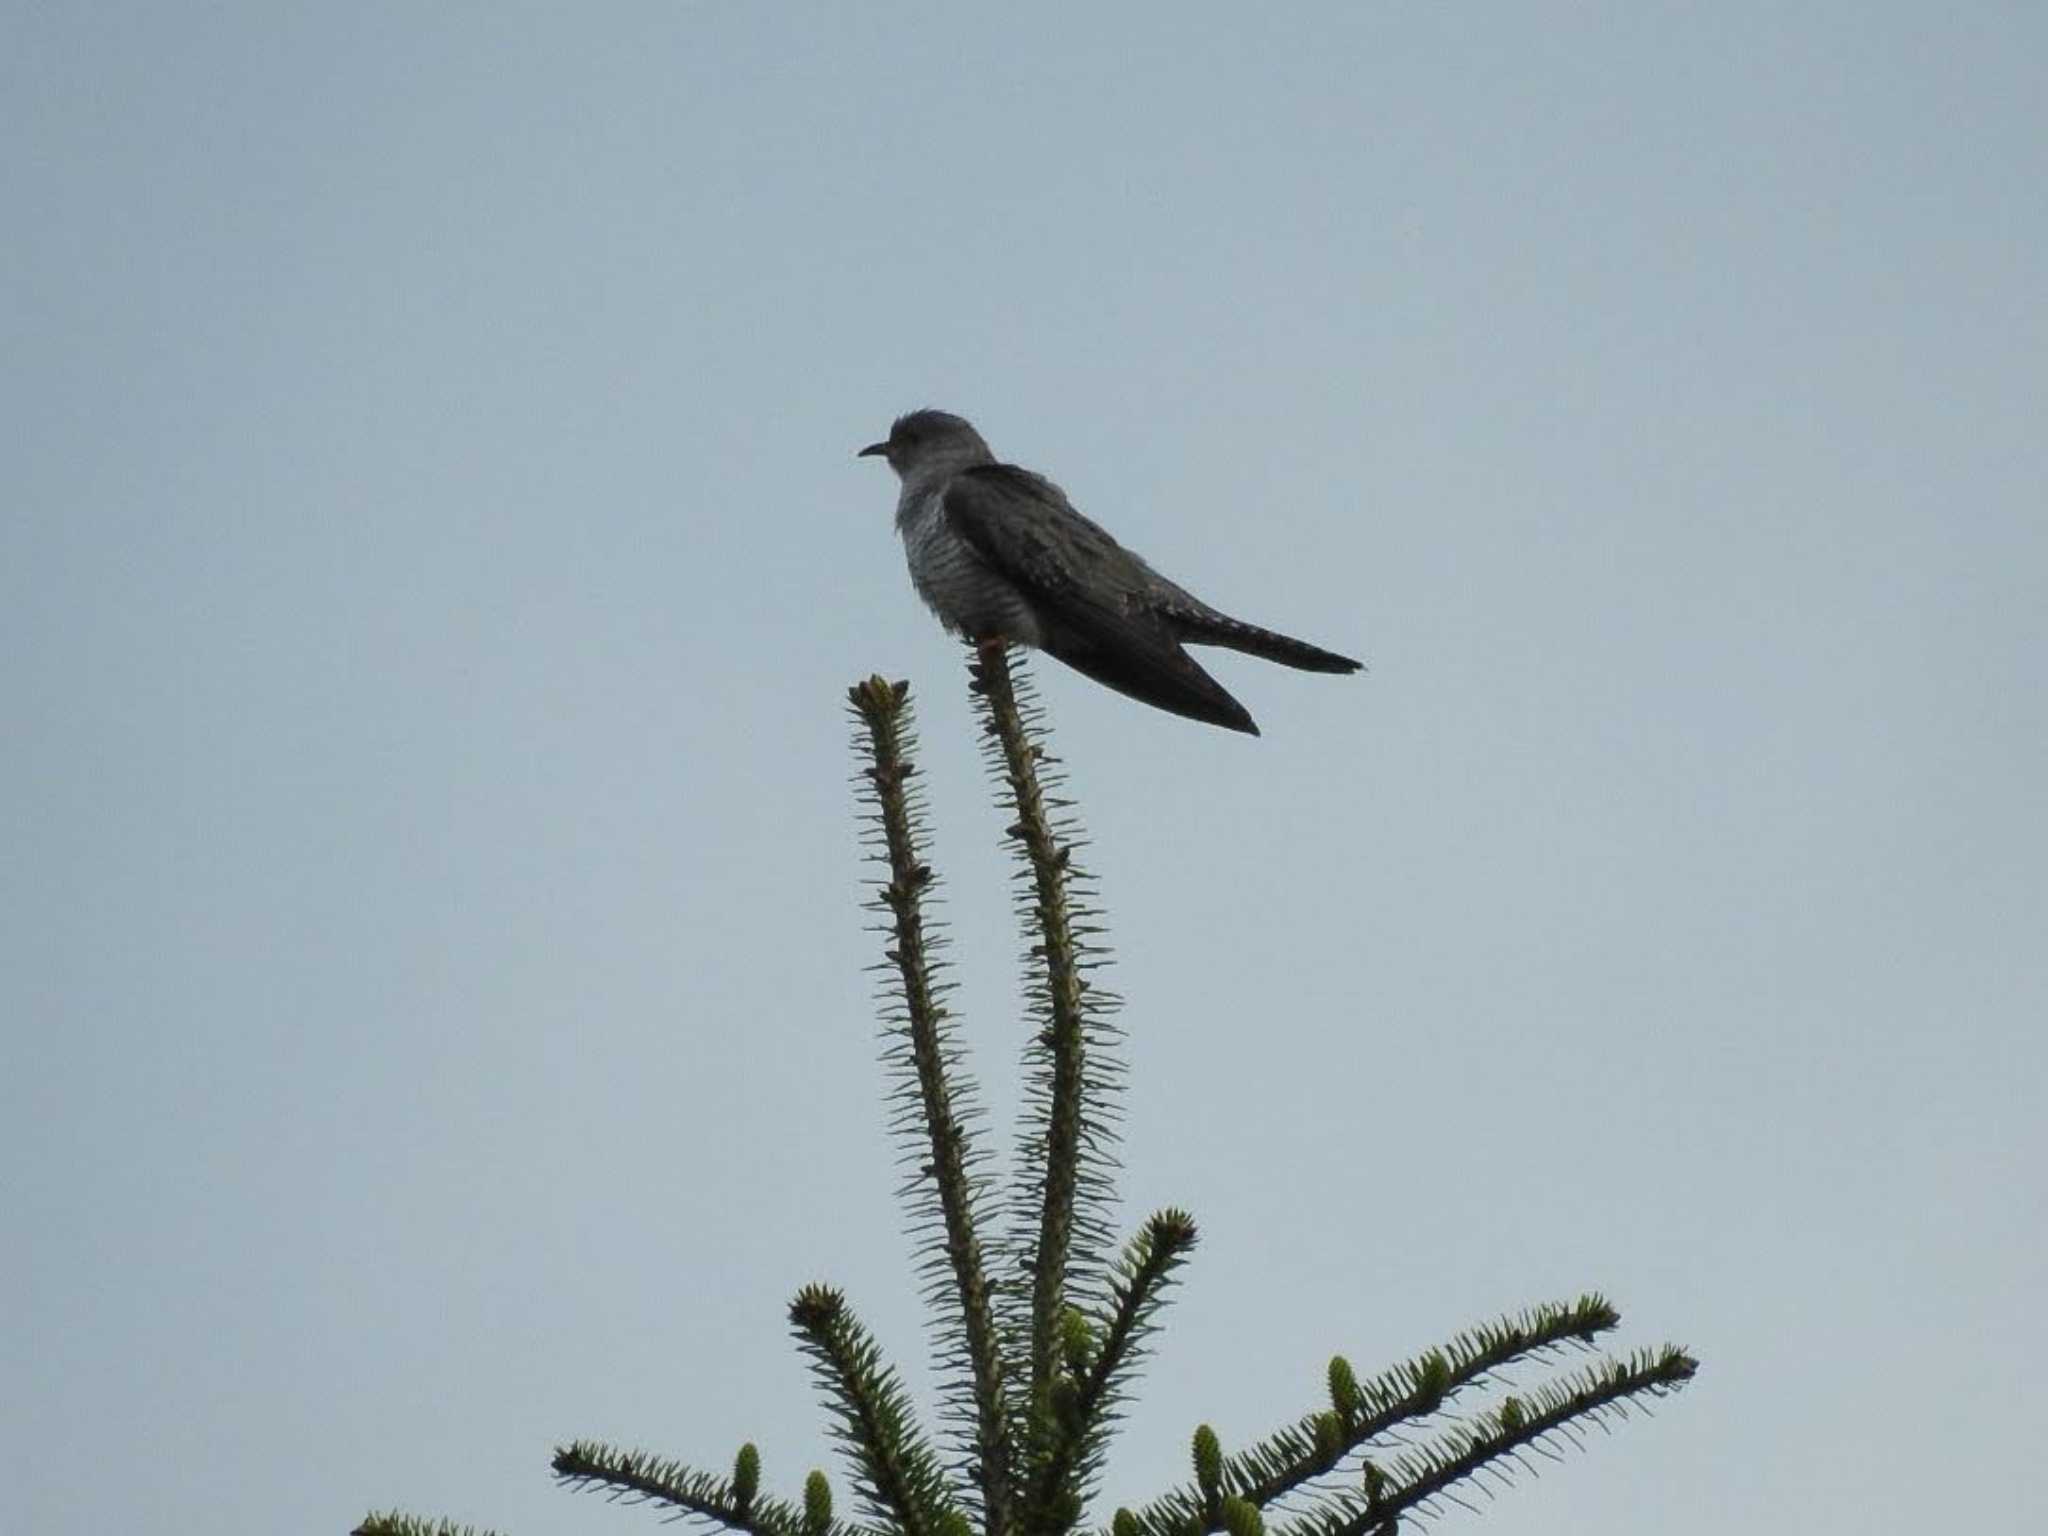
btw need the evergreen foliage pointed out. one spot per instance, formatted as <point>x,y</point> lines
<point>1040,1324</point>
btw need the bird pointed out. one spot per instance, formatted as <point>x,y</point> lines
<point>1001,555</point>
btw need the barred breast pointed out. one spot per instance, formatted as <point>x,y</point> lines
<point>969,596</point>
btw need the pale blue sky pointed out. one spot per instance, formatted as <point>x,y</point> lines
<point>432,555</point>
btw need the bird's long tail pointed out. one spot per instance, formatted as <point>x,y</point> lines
<point>1213,628</point>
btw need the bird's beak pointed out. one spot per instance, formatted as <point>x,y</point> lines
<point>873,450</point>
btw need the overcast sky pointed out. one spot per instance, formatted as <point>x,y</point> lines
<point>432,557</point>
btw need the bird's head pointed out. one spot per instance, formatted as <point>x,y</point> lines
<point>930,442</point>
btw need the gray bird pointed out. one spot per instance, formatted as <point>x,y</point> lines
<point>999,553</point>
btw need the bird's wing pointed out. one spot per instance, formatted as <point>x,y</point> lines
<point>1099,605</point>
<point>1026,529</point>
<point>1024,526</point>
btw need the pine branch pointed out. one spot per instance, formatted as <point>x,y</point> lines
<point>641,1477</point>
<point>1044,1378</point>
<point>884,710</point>
<point>1100,1361</point>
<point>896,1475</point>
<point>1361,1412</point>
<point>1417,1478</point>
<point>1074,1151</point>
<point>395,1524</point>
